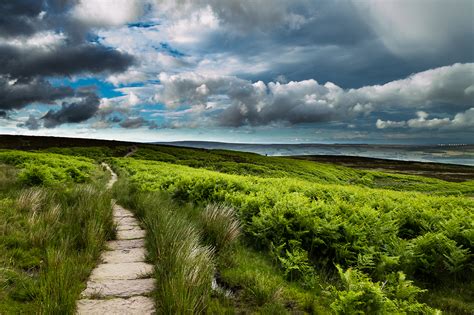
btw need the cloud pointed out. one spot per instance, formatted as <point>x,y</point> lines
<point>384,124</point>
<point>422,28</point>
<point>452,85</point>
<point>18,93</point>
<point>31,123</point>
<point>133,123</point>
<point>242,102</point>
<point>64,60</point>
<point>40,40</point>
<point>460,121</point>
<point>74,112</point>
<point>21,17</point>
<point>128,77</point>
<point>100,13</point>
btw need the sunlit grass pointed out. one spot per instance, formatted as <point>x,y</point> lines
<point>183,266</point>
<point>50,239</point>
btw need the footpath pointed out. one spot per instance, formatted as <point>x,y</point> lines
<point>122,282</point>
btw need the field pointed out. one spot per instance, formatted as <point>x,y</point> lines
<point>276,235</point>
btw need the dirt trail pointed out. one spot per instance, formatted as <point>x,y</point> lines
<point>131,151</point>
<point>121,283</point>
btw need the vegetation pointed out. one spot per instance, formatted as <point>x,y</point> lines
<point>241,163</point>
<point>383,235</point>
<point>233,231</point>
<point>54,219</point>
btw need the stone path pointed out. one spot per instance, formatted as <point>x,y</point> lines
<point>121,282</point>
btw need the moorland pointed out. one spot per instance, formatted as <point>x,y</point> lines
<point>275,235</point>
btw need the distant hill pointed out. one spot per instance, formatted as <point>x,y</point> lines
<point>41,142</point>
<point>455,154</point>
<point>452,154</point>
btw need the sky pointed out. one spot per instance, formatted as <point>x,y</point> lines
<point>256,71</point>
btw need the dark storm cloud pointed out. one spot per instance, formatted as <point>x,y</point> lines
<point>20,17</point>
<point>31,123</point>
<point>42,39</point>
<point>74,112</point>
<point>16,94</point>
<point>133,123</point>
<point>339,41</point>
<point>63,60</point>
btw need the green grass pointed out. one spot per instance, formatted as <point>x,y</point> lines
<point>51,234</point>
<point>242,163</point>
<point>260,287</point>
<point>183,266</point>
<point>283,235</point>
<point>181,242</point>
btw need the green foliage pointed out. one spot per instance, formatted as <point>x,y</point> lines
<point>50,239</point>
<point>97,153</point>
<point>375,230</point>
<point>360,295</point>
<point>434,253</point>
<point>250,164</point>
<point>183,267</point>
<point>47,168</point>
<point>307,225</point>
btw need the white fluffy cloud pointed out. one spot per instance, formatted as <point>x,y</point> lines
<point>45,41</point>
<point>104,13</point>
<point>450,84</point>
<point>243,102</point>
<point>461,120</point>
<point>130,76</point>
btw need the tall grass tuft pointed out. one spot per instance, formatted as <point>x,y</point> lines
<point>183,267</point>
<point>30,200</point>
<point>221,226</point>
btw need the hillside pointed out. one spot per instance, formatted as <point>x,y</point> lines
<point>277,234</point>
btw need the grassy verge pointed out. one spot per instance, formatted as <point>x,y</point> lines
<point>50,237</point>
<point>183,266</point>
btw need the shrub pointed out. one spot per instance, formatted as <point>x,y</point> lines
<point>434,256</point>
<point>34,175</point>
<point>362,296</point>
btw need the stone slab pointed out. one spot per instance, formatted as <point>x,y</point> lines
<point>128,227</point>
<point>122,271</point>
<point>130,234</point>
<point>121,212</point>
<point>133,306</point>
<point>126,244</point>
<point>126,221</point>
<point>124,255</point>
<point>118,288</point>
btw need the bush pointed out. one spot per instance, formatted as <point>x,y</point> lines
<point>433,255</point>
<point>362,296</point>
<point>34,175</point>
